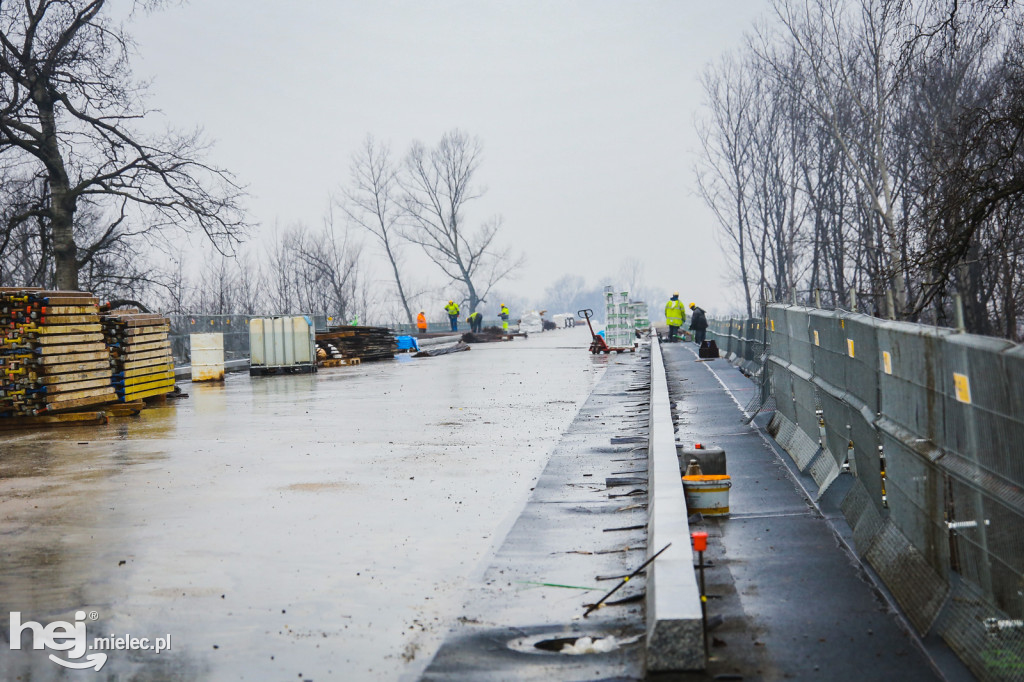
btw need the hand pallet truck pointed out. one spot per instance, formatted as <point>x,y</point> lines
<point>598,343</point>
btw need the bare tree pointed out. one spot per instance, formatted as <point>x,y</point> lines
<point>68,108</point>
<point>438,184</point>
<point>176,288</point>
<point>852,69</point>
<point>372,202</point>
<point>724,172</point>
<point>250,284</point>
<point>631,272</point>
<point>218,282</point>
<point>316,271</point>
<point>564,292</point>
<point>886,152</point>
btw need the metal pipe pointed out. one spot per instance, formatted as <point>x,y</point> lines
<point>958,313</point>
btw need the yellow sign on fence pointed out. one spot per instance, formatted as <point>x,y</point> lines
<point>962,386</point>
<point>887,362</point>
<point>849,347</point>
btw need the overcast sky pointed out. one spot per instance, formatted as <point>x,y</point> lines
<point>585,110</point>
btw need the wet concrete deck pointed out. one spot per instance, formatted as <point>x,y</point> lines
<point>297,527</point>
<point>572,544</point>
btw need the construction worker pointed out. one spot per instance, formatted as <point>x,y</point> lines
<point>453,314</point>
<point>421,322</point>
<point>698,324</point>
<point>675,315</point>
<point>476,321</point>
<point>504,318</point>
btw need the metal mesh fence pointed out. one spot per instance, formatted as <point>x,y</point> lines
<point>235,329</point>
<point>932,423</point>
<point>741,340</point>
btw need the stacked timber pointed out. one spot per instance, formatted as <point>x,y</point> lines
<point>364,343</point>
<point>140,350</point>
<point>54,357</point>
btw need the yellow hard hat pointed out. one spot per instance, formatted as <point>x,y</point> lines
<point>675,293</point>
<point>451,301</point>
<point>693,305</point>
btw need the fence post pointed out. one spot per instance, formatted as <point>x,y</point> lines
<point>853,300</point>
<point>958,313</point>
<point>817,298</point>
<point>890,304</point>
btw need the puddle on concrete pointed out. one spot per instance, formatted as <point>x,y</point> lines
<point>570,644</point>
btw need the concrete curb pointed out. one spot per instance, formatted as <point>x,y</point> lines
<point>675,639</point>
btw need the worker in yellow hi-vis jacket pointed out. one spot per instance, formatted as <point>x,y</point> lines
<point>675,315</point>
<point>504,318</point>
<point>453,314</point>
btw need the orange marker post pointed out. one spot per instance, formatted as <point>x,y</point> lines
<point>700,544</point>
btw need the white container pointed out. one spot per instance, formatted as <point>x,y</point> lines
<point>281,344</point>
<point>207,352</point>
<point>708,495</point>
<point>531,323</point>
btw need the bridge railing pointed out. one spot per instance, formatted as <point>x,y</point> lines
<point>917,432</point>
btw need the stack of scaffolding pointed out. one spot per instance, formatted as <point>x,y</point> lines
<point>364,343</point>
<point>140,353</point>
<point>641,321</point>
<point>619,326</point>
<point>54,358</point>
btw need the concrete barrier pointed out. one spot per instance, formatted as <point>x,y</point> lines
<point>675,636</point>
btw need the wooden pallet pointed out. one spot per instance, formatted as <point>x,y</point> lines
<point>339,362</point>
<point>50,420</point>
<point>125,409</point>
<point>257,371</point>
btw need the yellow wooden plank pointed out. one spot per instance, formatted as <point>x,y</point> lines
<point>150,393</point>
<point>67,377</point>
<point>145,359</point>
<point>153,383</point>
<point>49,319</point>
<point>68,419</point>
<point>125,409</point>
<point>71,310</point>
<point>71,358</point>
<point>69,349</point>
<point>133,341</point>
<point>72,396</point>
<point>49,329</point>
<point>136,381</point>
<point>143,331</point>
<point>55,369</point>
<point>148,369</point>
<point>145,347</point>
<point>71,386</point>
<point>81,402</point>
